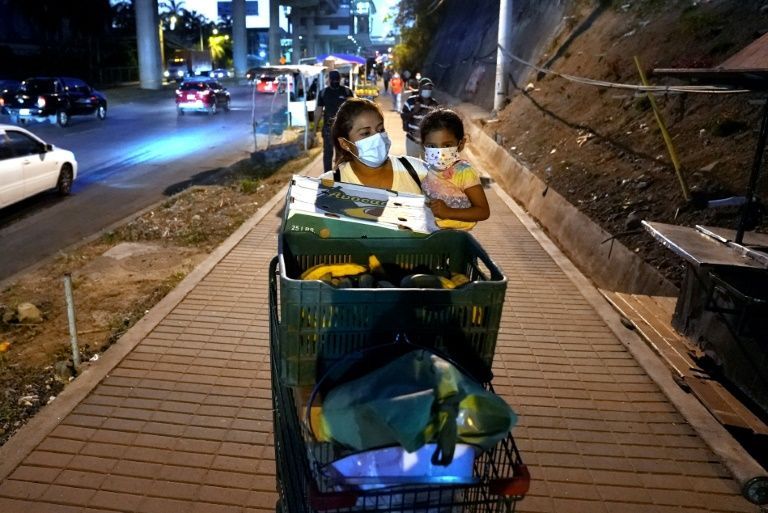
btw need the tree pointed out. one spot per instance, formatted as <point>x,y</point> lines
<point>417,21</point>
<point>124,17</point>
<point>221,48</point>
<point>173,7</point>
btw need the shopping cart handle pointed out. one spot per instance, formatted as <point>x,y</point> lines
<point>516,486</point>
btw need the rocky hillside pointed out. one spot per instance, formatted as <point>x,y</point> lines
<point>601,147</point>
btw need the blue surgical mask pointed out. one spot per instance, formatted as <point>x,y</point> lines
<point>373,150</point>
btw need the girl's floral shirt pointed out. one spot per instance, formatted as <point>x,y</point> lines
<point>449,184</point>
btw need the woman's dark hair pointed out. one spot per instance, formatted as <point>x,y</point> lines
<point>342,123</point>
<point>442,119</point>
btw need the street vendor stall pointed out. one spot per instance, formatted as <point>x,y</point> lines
<point>723,302</point>
<point>304,82</point>
<point>346,64</point>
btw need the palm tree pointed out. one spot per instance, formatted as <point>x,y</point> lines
<point>173,7</point>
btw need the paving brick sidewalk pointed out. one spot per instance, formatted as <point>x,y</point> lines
<point>183,422</point>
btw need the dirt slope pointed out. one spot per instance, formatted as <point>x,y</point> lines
<point>601,147</point>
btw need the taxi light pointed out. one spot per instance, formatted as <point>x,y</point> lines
<point>40,102</point>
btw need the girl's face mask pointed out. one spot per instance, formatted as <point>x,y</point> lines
<point>441,158</point>
<point>373,150</point>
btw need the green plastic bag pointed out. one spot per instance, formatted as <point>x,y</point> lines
<point>412,400</point>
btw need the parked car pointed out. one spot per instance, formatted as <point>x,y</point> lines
<point>8,89</point>
<point>28,166</point>
<point>201,95</point>
<point>55,99</point>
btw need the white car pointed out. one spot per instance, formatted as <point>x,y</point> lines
<point>28,166</point>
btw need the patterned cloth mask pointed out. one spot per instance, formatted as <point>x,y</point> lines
<point>441,158</point>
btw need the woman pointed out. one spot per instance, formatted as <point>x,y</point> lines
<point>362,149</point>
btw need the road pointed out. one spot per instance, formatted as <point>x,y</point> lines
<point>140,154</point>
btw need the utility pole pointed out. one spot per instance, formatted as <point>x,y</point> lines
<point>274,32</point>
<point>502,64</point>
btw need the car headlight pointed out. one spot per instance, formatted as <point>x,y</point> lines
<point>180,73</point>
<point>166,73</point>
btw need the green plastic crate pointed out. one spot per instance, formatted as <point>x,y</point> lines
<point>320,324</point>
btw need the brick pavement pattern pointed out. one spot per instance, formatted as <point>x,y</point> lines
<point>183,423</point>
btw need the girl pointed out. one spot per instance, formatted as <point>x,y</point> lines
<point>452,185</point>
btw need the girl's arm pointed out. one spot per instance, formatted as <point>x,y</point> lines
<point>479,211</point>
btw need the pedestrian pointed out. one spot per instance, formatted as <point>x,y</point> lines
<point>452,185</point>
<point>362,151</point>
<point>385,76</point>
<point>396,88</point>
<point>328,102</point>
<point>415,108</point>
<point>411,87</point>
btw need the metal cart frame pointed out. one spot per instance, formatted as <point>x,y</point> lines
<point>502,477</point>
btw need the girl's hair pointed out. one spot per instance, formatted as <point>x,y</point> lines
<point>442,119</point>
<point>342,123</point>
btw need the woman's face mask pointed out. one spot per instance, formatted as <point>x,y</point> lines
<point>426,93</point>
<point>373,150</point>
<point>441,158</point>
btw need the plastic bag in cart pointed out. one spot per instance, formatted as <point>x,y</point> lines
<point>416,399</point>
<point>390,466</point>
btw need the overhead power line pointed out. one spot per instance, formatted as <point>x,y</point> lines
<point>616,85</point>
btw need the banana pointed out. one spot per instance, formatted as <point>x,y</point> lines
<point>477,315</point>
<point>336,271</point>
<point>375,265</point>
<point>459,279</point>
<point>447,284</point>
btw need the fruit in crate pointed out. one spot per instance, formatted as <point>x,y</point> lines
<point>379,274</point>
<point>335,270</point>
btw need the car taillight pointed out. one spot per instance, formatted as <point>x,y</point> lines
<point>2,102</point>
<point>40,101</point>
<point>178,92</point>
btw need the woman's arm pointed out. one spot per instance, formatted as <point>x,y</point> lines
<point>479,211</point>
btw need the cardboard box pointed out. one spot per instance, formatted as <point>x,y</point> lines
<point>342,210</point>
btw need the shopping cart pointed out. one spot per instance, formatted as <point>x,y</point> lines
<point>499,477</point>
